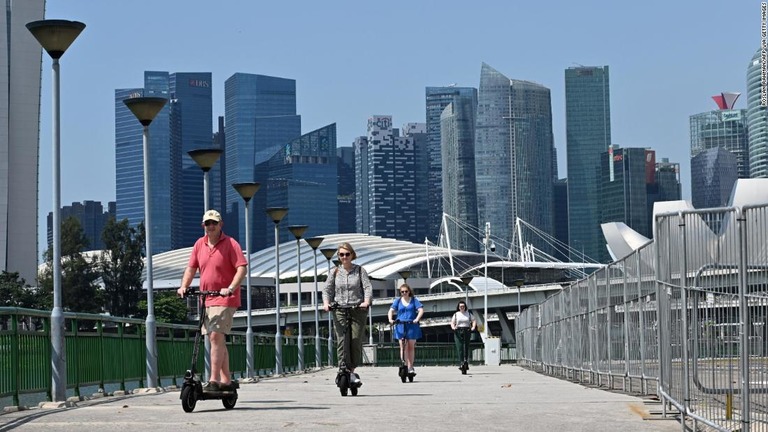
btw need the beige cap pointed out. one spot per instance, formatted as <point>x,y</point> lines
<point>212,215</point>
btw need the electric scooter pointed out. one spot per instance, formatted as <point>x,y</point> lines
<point>464,336</point>
<point>192,389</point>
<point>344,376</point>
<point>403,370</point>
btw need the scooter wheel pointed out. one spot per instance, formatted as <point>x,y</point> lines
<point>343,384</point>
<point>229,402</point>
<point>354,391</point>
<point>188,399</point>
<point>410,378</point>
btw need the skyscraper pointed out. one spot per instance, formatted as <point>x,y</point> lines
<point>716,172</point>
<point>457,136</point>
<point>514,149</point>
<point>345,165</point>
<point>726,128</point>
<point>92,218</point>
<point>418,133</point>
<point>757,121</point>
<point>588,135</point>
<point>260,113</point>
<point>21,61</point>
<point>176,193</point>
<point>437,98</point>
<point>386,169</point>
<point>302,177</point>
<point>625,176</point>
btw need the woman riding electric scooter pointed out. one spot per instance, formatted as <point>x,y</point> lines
<point>463,324</point>
<point>408,311</point>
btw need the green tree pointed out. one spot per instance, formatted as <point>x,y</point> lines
<point>14,291</point>
<point>78,274</point>
<point>169,308</point>
<point>121,266</point>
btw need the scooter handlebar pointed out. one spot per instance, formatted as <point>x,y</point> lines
<point>336,306</point>
<point>194,292</point>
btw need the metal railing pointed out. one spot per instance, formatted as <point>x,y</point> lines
<point>683,318</point>
<point>107,350</point>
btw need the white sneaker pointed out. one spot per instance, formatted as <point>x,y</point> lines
<point>355,378</point>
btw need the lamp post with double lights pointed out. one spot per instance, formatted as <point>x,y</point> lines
<point>55,36</point>
<point>145,109</point>
<point>205,159</point>
<point>277,214</point>
<point>328,253</point>
<point>247,191</point>
<point>314,243</point>
<point>298,231</point>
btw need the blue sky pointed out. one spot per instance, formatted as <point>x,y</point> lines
<point>353,59</point>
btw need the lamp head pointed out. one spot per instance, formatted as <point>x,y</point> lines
<point>145,108</point>
<point>314,242</point>
<point>328,253</point>
<point>466,280</point>
<point>297,230</point>
<point>277,213</point>
<point>246,190</point>
<point>55,36</point>
<point>405,274</point>
<point>205,158</point>
<point>518,282</point>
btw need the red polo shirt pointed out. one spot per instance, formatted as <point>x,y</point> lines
<point>218,266</point>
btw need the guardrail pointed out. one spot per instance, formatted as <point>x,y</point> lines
<point>683,318</point>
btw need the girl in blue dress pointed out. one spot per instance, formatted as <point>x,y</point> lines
<point>407,309</point>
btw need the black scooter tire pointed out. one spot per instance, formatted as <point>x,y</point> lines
<point>354,391</point>
<point>229,402</point>
<point>344,384</point>
<point>188,399</point>
<point>410,377</point>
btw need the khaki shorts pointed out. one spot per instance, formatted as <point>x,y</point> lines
<point>218,319</point>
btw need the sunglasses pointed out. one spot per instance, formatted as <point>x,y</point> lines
<point>345,254</point>
<point>211,222</point>
<point>404,292</point>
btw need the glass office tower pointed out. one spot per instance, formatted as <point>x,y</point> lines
<point>437,98</point>
<point>457,136</point>
<point>260,118</point>
<point>514,149</point>
<point>757,121</point>
<point>716,172</point>
<point>588,135</point>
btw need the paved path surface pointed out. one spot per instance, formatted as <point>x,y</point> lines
<point>488,398</point>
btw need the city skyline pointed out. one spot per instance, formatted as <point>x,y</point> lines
<point>658,79</point>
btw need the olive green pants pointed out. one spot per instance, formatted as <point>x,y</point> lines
<point>357,318</point>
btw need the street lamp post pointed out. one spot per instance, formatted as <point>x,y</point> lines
<point>145,109</point>
<point>466,280</point>
<point>247,191</point>
<point>277,214</point>
<point>328,253</point>
<point>55,36</point>
<point>205,159</point>
<point>298,231</point>
<point>314,243</point>
<point>485,295</point>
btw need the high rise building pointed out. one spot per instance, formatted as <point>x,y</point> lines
<point>260,113</point>
<point>437,98</point>
<point>457,136</point>
<point>667,186</point>
<point>624,179</point>
<point>757,121</point>
<point>725,128</point>
<point>345,164</point>
<point>176,193</point>
<point>302,177</point>
<point>514,149</point>
<point>387,182</point>
<point>716,172</point>
<point>560,192</point>
<point>92,218</point>
<point>21,60</point>
<point>588,135</point>
<point>418,133</point>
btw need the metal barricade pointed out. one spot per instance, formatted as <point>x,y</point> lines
<point>683,317</point>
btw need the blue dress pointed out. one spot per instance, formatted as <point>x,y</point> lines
<point>407,313</point>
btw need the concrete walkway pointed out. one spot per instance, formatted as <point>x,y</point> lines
<point>488,398</point>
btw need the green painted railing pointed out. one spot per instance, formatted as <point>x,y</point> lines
<point>107,350</point>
